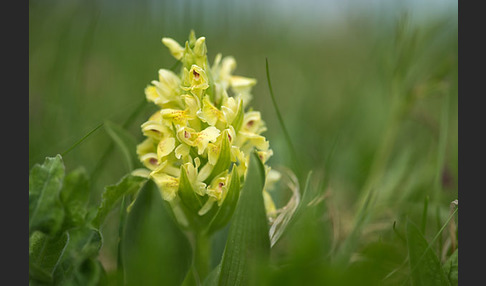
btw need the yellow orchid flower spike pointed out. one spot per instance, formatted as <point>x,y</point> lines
<point>197,146</point>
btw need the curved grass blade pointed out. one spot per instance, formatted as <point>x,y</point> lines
<point>280,227</point>
<point>282,124</point>
<point>248,240</point>
<point>125,141</point>
<point>81,140</point>
<point>425,252</point>
<point>425,265</point>
<point>104,158</point>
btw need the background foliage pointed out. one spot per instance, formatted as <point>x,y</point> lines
<point>367,92</point>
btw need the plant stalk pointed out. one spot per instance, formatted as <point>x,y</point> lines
<point>202,255</point>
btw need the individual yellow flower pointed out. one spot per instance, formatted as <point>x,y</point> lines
<point>195,80</point>
<point>165,90</point>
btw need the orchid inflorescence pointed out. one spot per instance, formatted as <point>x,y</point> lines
<point>198,145</point>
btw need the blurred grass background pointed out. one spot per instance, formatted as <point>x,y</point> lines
<point>372,82</point>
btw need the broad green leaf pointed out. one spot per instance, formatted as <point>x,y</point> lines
<point>155,251</point>
<point>228,206</point>
<point>248,239</point>
<point>46,212</point>
<point>224,158</point>
<point>191,278</point>
<point>79,265</point>
<point>89,273</point>
<point>129,184</point>
<point>425,266</point>
<point>212,279</point>
<point>45,252</point>
<point>74,196</point>
<point>451,267</point>
<point>125,141</point>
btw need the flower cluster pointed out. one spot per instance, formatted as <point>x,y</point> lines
<point>201,138</point>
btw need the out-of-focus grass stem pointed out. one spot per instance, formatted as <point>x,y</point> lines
<point>282,124</point>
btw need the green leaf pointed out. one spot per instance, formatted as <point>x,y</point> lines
<point>451,268</point>
<point>212,279</point>
<point>79,265</point>
<point>129,184</point>
<point>155,251</point>
<point>248,241</point>
<point>46,212</point>
<point>125,141</point>
<point>228,206</point>
<point>224,158</point>
<point>74,196</point>
<point>425,266</point>
<point>45,253</point>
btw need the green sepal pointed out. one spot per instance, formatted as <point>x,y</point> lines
<point>192,39</point>
<point>227,208</point>
<point>224,159</point>
<point>238,120</point>
<point>191,200</point>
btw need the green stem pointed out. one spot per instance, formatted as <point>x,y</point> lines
<point>202,255</point>
<point>121,231</point>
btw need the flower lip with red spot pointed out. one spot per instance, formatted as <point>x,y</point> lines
<point>196,74</point>
<point>153,161</point>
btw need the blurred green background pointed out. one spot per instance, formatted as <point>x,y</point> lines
<point>374,83</point>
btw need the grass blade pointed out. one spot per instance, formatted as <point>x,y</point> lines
<point>426,268</point>
<point>248,239</point>
<point>125,141</point>
<point>282,124</point>
<point>81,140</point>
